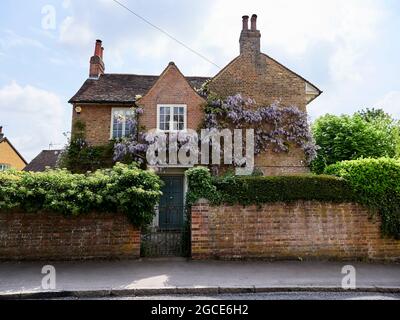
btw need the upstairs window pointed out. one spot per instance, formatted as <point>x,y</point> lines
<point>122,122</point>
<point>4,166</point>
<point>171,117</point>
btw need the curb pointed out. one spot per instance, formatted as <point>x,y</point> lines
<point>140,292</point>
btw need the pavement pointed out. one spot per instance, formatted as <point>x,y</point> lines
<point>147,277</point>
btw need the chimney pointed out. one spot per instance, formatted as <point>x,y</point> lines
<point>1,133</point>
<point>250,39</point>
<point>96,62</point>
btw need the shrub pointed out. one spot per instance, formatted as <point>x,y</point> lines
<point>125,189</point>
<point>376,183</point>
<point>366,134</point>
<point>258,190</point>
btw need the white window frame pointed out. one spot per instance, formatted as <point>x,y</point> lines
<point>4,166</point>
<point>112,121</point>
<point>171,120</point>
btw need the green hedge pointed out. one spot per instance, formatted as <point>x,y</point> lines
<point>259,190</point>
<point>125,189</point>
<point>376,183</point>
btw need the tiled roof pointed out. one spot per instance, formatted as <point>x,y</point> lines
<point>120,88</point>
<point>47,158</point>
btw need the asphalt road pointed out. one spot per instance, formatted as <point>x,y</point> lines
<point>272,296</point>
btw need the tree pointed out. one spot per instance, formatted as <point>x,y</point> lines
<point>369,133</point>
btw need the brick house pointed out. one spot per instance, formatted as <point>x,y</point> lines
<point>105,96</point>
<point>10,158</point>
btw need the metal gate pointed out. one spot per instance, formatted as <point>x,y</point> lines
<point>171,236</point>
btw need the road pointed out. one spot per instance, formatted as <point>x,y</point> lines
<point>272,296</point>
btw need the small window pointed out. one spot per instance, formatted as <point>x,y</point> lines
<point>171,117</point>
<point>4,166</point>
<point>122,123</point>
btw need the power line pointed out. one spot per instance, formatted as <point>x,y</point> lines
<point>166,33</point>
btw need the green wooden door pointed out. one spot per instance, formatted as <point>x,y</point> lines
<point>171,204</point>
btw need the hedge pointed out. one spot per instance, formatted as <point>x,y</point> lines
<point>125,189</point>
<point>376,183</point>
<point>258,190</point>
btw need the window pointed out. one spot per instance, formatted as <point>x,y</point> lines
<point>122,123</point>
<point>4,166</point>
<point>171,117</point>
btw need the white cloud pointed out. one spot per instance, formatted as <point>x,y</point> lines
<point>32,118</point>
<point>390,103</point>
<point>9,40</point>
<point>75,33</point>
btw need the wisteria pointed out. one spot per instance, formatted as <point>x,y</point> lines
<point>276,127</point>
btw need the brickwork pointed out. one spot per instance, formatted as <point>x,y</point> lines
<point>310,230</point>
<point>52,236</point>
<point>172,88</point>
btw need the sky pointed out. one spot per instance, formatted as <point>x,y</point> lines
<point>350,49</point>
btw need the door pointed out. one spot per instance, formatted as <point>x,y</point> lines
<point>171,206</point>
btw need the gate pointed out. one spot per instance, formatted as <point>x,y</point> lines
<point>171,235</point>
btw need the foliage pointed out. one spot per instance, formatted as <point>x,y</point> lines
<point>366,134</point>
<point>275,127</point>
<point>80,157</point>
<point>125,189</point>
<point>376,183</point>
<point>256,190</point>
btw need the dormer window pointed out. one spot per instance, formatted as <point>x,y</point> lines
<point>171,117</point>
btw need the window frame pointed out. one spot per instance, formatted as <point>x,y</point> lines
<point>4,167</point>
<point>113,110</point>
<point>171,120</point>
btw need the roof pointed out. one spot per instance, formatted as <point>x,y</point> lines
<point>12,147</point>
<point>121,88</point>
<point>45,159</point>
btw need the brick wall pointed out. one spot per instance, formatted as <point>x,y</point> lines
<point>97,119</point>
<point>266,82</point>
<point>310,230</point>
<point>52,236</point>
<point>171,88</point>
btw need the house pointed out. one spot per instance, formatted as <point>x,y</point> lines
<point>171,101</point>
<point>47,159</point>
<point>10,158</point>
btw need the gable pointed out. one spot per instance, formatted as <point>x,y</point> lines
<point>171,88</point>
<point>10,156</point>
<point>265,80</point>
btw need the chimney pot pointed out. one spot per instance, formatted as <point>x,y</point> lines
<point>245,22</point>
<point>97,49</point>
<point>254,22</point>
<point>1,132</point>
<point>96,62</point>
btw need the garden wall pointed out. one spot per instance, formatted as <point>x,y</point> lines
<point>310,230</point>
<point>52,236</point>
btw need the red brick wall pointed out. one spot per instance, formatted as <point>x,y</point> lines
<point>266,81</point>
<point>312,230</point>
<point>52,236</point>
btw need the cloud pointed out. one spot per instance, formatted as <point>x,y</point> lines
<point>10,40</point>
<point>75,33</point>
<point>390,103</point>
<point>32,118</point>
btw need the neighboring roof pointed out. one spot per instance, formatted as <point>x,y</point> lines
<point>45,159</point>
<point>12,147</point>
<point>121,88</point>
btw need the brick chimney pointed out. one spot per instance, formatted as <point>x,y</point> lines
<point>250,39</point>
<point>1,133</point>
<point>96,62</point>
